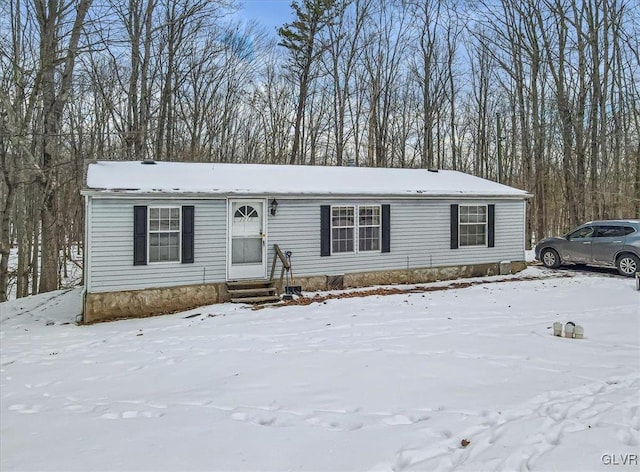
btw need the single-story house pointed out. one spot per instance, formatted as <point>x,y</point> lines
<point>168,236</point>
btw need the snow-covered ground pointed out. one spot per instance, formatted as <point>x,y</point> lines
<point>393,383</point>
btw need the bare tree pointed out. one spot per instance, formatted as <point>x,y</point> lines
<point>383,60</point>
<point>44,95</point>
<point>428,69</point>
<point>55,89</point>
<point>344,52</point>
<point>302,39</point>
<point>272,103</point>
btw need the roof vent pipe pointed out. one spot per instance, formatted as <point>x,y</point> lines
<point>433,170</point>
<point>148,161</point>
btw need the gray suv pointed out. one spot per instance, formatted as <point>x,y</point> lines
<point>610,243</point>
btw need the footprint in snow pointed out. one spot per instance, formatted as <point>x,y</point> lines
<point>397,420</point>
<point>132,414</point>
<point>78,408</point>
<point>334,424</point>
<point>25,409</point>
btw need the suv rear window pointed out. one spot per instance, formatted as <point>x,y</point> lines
<point>613,231</point>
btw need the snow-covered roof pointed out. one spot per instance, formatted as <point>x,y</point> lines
<point>264,179</point>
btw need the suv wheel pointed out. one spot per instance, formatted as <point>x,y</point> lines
<point>550,258</point>
<point>628,265</point>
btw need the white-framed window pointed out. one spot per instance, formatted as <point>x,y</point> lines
<point>164,234</point>
<point>342,229</point>
<point>473,225</point>
<point>369,228</point>
<point>355,228</point>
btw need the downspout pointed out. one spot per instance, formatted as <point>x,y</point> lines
<point>86,266</point>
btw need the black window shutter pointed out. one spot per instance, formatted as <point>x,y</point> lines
<point>325,230</point>
<point>187,234</point>
<point>139,235</point>
<point>491,227</point>
<point>454,226</point>
<point>386,228</point>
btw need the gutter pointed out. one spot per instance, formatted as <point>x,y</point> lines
<point>146,194</point>
<point>87,252</point>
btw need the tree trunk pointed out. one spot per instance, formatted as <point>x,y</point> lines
<point>5,239</point>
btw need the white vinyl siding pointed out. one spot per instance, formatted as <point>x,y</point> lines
<point>420,236</point>
<point>111,246</point>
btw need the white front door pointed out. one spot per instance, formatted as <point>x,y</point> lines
<point>247,240</point>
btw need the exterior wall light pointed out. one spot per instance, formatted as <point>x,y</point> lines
<point>274,207</point>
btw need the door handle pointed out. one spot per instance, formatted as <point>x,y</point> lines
<point>587,242</point>
<point>617,242</point>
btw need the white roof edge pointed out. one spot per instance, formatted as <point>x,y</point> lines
<point>104,193</point>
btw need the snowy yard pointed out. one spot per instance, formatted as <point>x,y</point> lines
<point>387,383</point>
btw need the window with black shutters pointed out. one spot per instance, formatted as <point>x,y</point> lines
<point>355,229</point>
<point>473,226</point>
<point>163,234</point>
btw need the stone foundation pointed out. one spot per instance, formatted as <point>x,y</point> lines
<point>150,302</point>
<point>156,301</point>
<point>407,276</point>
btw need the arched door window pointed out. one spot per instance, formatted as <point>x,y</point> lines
<point>246,212</point>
